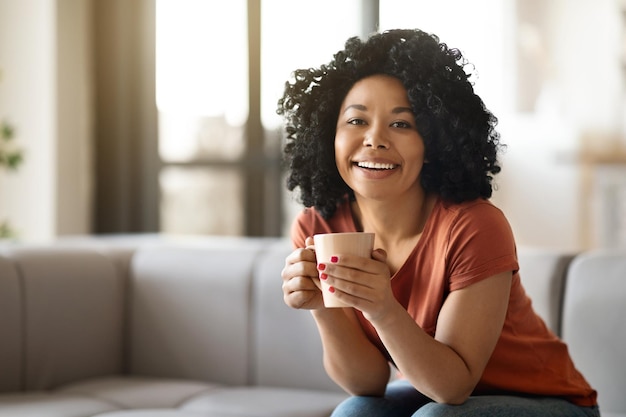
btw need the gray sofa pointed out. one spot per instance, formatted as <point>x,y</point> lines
<point>166,327</point>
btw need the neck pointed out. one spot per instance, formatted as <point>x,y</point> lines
<point>393,222</point>
<point>398,225</point>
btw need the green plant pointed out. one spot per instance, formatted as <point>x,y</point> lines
<point>11,157</point>
<point>5,230</point>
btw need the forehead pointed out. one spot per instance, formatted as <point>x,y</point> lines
<point>379,89</point>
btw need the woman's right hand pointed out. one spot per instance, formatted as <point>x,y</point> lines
<point>300,279</point>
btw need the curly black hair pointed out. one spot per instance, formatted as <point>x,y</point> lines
<point>460,140</point>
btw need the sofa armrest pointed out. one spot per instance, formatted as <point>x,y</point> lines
<point>11,323</point>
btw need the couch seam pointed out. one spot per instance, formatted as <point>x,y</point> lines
<point>21,283</point>
<point>262,251</point>
<point>125,272</point>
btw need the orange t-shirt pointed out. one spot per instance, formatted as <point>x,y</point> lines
<point>462,244</point>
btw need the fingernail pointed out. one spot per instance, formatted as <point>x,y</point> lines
<point>323,276</point>
<point>321,267</point>
<point>334,259</point>
<point>331,289</point>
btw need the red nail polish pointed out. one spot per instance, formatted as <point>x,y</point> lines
<point>321,267</point>
<point>331,289</point>
<point>323,276</point>
<point>334,259</point>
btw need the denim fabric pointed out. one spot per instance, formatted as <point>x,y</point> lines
<point>402,400</point>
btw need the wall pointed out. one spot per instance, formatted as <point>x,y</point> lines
<point>579,94</point>
<point>27,95</point>
<point>45,93</point>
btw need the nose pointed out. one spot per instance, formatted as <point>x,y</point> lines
<point>376,139</point>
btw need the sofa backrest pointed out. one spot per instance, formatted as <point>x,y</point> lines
<point>287,348</point>
<point>542,272</point>
<point>70,307</point>
<point>189,310</point>
<point>212,310</point>
<point>594,323</point>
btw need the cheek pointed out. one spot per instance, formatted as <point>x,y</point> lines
<point>342,158</point>
<point>341,151</point>
<point>417,162</point>
<point>339,141</point>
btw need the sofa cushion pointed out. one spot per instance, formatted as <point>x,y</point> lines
<point>45,404</point>
<point>264,402</point>
<point>11,322</point>
<point>190,315</point>
<point>594,324</point>
<point>158,413</point>
<point>138,392</point>
<point>73,308</point>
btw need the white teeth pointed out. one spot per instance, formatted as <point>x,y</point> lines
<point>375,165</point>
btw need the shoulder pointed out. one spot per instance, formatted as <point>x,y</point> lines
<point>479,242</point>
<point>472,207</point>
<point>480,215</point>
<point>474,228</point>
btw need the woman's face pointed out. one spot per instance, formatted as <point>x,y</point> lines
<point>378,151</point>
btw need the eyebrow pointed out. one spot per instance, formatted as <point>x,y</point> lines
<point>396,110</point>
<point>402,110</point>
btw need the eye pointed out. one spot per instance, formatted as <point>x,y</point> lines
<point>356,121</point>
<point>401,124</point>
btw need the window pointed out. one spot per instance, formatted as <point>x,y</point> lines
<point>220,70</point>
<point>202,102</point>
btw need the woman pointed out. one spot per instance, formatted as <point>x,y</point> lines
<point>390,138</point>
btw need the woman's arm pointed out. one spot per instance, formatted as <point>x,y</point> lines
<point>448,367</point>
<point>445,368</point>
<point>350,359</point>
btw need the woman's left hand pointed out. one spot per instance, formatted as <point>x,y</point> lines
<point>362,283</point>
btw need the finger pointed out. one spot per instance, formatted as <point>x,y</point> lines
<point>299,283</point>
<point>300,269</point>
<point>380,255</point>
<point>317,282</point>
<point>355,262</point>
<point>301,255</point>
<point>348,279</point>
<point>301,292</point>
<point>363,272</point>
<point>352,297</point>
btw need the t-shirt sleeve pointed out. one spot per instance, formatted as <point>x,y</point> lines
<point>481,244</point>
<point>301,228</point>
<point>309,222</point>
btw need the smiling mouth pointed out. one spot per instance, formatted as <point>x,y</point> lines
<point>376,165</point>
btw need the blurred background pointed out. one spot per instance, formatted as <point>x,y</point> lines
<point>158,116</point>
